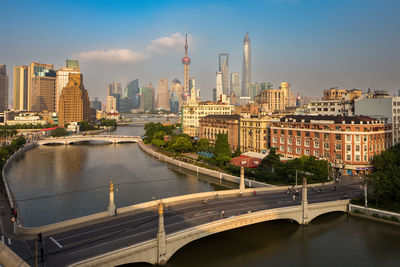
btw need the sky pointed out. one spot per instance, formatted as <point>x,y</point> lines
<point>313,44</point>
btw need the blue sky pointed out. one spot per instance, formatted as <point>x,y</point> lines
<point>313,44</point>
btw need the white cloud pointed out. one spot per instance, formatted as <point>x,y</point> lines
<point>174,41</point>
<point>160,45</point>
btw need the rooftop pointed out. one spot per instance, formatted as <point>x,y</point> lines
<point>333,119</point>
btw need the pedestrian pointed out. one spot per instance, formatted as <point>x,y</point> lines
<point>222,214</point>
<point>294,197</point>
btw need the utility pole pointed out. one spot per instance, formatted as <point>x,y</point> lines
<point>365,193</point>
<point>296,178</point>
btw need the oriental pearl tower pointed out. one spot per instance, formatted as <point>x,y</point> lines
<point>186,62</point>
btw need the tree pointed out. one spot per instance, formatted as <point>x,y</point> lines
<point>182,145</point>
<point>203,144</point>
<point>159,135</point>
<point>59,132</point>
<point>85,126</point>
<point>222,146</point>
<point>158,142</point>
<point>222,159</point>
<point>271,161</point>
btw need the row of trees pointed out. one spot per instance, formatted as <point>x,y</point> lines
<point>27,126</point>
<point>384,181</point>
<point>8,150</point>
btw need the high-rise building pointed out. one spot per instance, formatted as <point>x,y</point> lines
<point>20,88</point>
<point>192,84</point>
<point>131,91</point>
<point>178,88</point>
<point>111,104</point>
<point>219,85</point>
<point>266,86</point>
<point>3,88</point>
<point>224,69</point>
<point>285,86</point>
<point>272,99</point>
<point>74,105</point>
<point>146,97</point>
<point>174,102</point>
<point>71,66</point>
<point>214,94</point>
<point>96,104</point>
<point>246,71</point>
<point>186,61</point>
<point>255,89</point>
<point>114,89</point>
<point>163,99</point>
<point>41,87</point>
<point>235,83</point>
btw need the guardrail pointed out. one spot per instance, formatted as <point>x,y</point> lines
<point>371,212</point>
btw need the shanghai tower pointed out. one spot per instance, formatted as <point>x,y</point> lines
<point>246,73</point>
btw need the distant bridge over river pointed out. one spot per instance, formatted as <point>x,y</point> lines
<point>114,139</point>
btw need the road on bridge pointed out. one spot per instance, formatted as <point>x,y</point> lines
<point>125,230</point>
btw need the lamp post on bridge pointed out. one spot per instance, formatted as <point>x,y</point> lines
<point>111,206</point>
<point>242,186</point>
<point>161,241</point>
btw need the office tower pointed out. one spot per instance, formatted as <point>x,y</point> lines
<point>71,66</point>
<point>96,104</point>
<point>20,88</point>
<point>146,97</point>
<point>246,73</point>
<point>131,91</point>
<point>192,84</point>
<point>163,98</point>
<point>174,102</point>
<point>266,86</point>
<point>153,96</point>
<point>111,104</point>
<point>224,69</point>
<point>186,62</point>
<point>214,94</point>
<point>235,83</point>
<point>41,87</point>
<point>285,86</point>
<point>255,89</point>
<point>114,89</point>
<point>74,105</point>
<point>219,85</point>
<point>3,88</point>
<point>177,86</point>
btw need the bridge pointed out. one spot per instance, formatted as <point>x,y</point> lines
<point>114,139</point>
<point>153,231</point>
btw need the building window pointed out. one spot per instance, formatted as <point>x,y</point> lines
<point>289,141</point>
<point>338,147</point>
<point>316,144</point>
<point>338,137</point>
<point>282,148</point>
<point>357,148</point>
<point>298,142</point>
<point>338,156</point>
<point>348,157</point>
<point>316,135</point>
<point>307,143</point>
<point>337,128</point>
<point>365,148</point>
<point>282,140</point>
<point>275,131</point>
<point>365,138</point>
<point>358,158</point>
<point>348,138</point>
<point>326,136</point>
<point>326,155</point>
<point>307,152</point>
<point>298,150</point>
<point>357,138</point>
<point>274,139</point>
<point>290,150</point>
<point>316,153</point>
<point>298,133</point>
<point>348,147</point>
<point>326,145</point>
<point>290,132</point>
<point>365,157</point>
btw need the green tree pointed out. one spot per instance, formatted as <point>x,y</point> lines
<point>182,145</point>
<point>222,146</point>
<point>85,126</point>
<point>203,144</point>
<point>159,135</point>
<point>59,132</point>
<point>222,159</point>
<point>158,142</point>
<point>271,161</point>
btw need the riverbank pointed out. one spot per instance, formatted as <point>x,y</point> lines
<point>374,214</point>
<point>198,169</point>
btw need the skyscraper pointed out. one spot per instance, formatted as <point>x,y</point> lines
<point>114,89</point>
<point>74,103</point>
<point>3,88</point>
<point>246,73</point>
<point>71,66</point>
<point>178,88</point>
<point>20,88</point>
<point>219,84</point>
<point>163,99</point>
<point>186,62</point>
<point>41,87</point>
<point>146,97</point>
<point>96,104</point>
<point>235,83</point>
<point>192,84</point>
<point>131,91</point>
<point>285,86</point>
<point>224,69</point>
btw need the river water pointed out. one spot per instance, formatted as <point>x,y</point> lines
<point>53,183</point>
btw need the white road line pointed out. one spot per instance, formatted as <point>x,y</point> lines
<point>55,242</point>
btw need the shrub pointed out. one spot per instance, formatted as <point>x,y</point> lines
<point>394,218</point>
<point>376,215</point>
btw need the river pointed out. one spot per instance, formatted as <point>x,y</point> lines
<point>53,183</point>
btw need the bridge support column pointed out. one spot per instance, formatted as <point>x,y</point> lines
<point>241,187</point>
<point>304,202</point>
<point>111,205</point>
<point>161,242</point>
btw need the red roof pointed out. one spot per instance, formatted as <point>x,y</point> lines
<point>248,162</point>
<point>50,129</point>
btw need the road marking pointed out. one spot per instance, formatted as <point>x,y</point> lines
<point>55,242</point>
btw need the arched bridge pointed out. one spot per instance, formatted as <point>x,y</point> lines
<point>153,231</point>
<point>114,139</point>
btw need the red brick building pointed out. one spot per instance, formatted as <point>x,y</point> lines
<point>347,142</point>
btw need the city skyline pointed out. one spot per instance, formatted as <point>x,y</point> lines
<point>316,46</point>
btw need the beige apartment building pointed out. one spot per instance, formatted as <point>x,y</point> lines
<point>254,134</point>
<point>41,87</point>
<point>74,105</point>
<point>193,111</point>
<point>272,99</point>
<point>20,100</point>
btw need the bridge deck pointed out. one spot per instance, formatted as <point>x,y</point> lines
<point>122,231</point>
